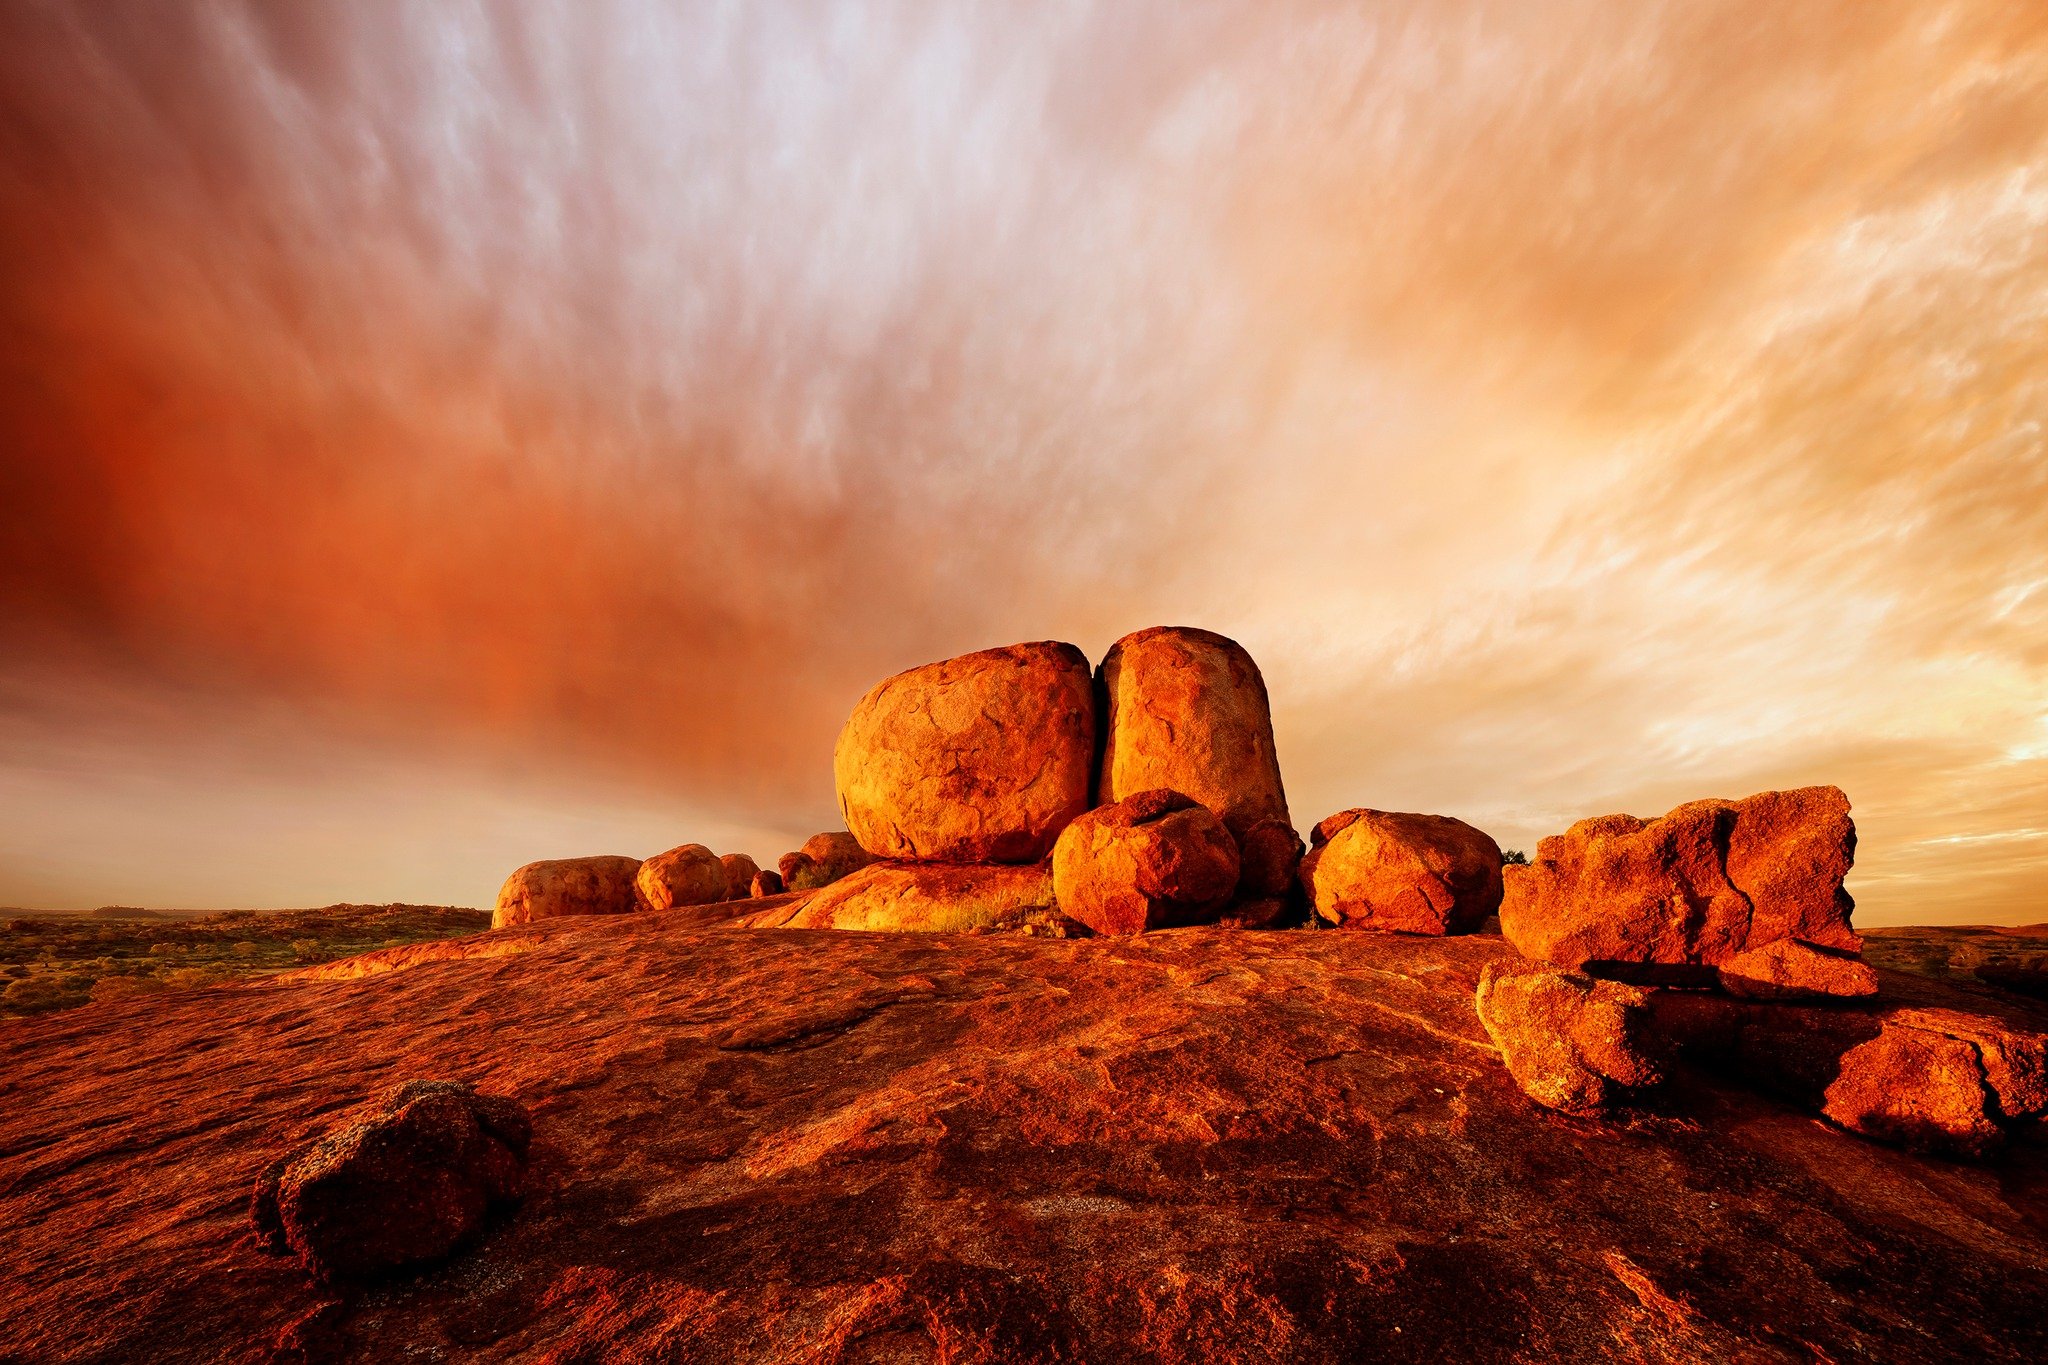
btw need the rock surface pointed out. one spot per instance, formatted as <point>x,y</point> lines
<point>823,860</point>
<point>1154,860</point>
<point>979,759</point>
<point>767,882</point>
<point>1193,1146</point>
<point>689,875</point>
<point>924,897</point>
<point>1411,874</point>
<point>1571,1043</point>
<point>1787,969</point>
<point>566,886</point>
<point>740,871</point>
<point>1668,899</point>
<point>1187,712</point>
<point>402,1187</point>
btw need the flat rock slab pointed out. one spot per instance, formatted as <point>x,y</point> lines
<point>1197,1145</point>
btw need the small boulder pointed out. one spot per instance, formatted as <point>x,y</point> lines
<point>1187,712</point>
<point>823,859</point>
<point>1154,860</point>
<point>979,759</point>
<point>1786,969</point>
<point>400,1189</point>
<point>1572,1043</point>
<point>1412,874</point>
<point>1669,900</point>
<point>938,898</point>
<point>740,871</point>
<point>767,882</point>
<point>567,886</point>
<point>688,875</point>
<point>1268,857</point>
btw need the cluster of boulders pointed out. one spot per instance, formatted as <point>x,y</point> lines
<point>1720,932</point>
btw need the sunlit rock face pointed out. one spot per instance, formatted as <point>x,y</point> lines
<point>1155,860</point>
<point>922,897</point>
<point>1186,710</point>
<point>1672,898</point>
<point>1572,1043</point>
<point>689,875</point>
<point>979,759</point>
<point>1412,874</point>
<point>601,885</point>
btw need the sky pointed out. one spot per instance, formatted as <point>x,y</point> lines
<point>439,436</point>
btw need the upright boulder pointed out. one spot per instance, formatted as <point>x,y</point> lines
<point>399,1189</point>
<point>740,871</point>
<point>566,886</point>
<point>823,860</point>
<point>1187,712</point>
<point>689,875</point>
<point>1154,860</point>
<point>979,759</point>
<point>767,882</point>
<point>1412,874</point>
<point>1572,1043</point>
<point>1672,899</point>
<point>924,897</point>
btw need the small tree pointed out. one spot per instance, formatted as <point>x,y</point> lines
<point>1514,857</point>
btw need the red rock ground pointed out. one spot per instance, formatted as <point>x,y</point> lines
<point>1198,1145</point>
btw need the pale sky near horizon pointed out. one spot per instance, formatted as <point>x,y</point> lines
<point>434,437</point>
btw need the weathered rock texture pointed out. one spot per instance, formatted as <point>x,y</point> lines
<point>1268,856</point>
<point>1571,1043</point>
<point>823,860</point>
<point>566,886</point>
<point>399,1189</point>
<point>740,871</point>
<point>1786,969</point>
<point>689,875</point>
<point>1927,1078</point>
<point>1668,899</point>
<point>979,759</point>
<point>925,897</point>
<point>1412,874</point>
<point>1152,861</point>
<point>1194,1146</point>
<point>1187,712</point>
<point>767,882</point>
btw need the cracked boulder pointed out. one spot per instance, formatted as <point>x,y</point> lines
<point>1573,1043</point>
<point>1671,899</point>
<point>1411,874</point>
<point>567,886</point>
<point>927,897</point>
<point>979,759</point>
<point>823,860</point>
<point>399,1190</point>
<point>689,875</point>
<point>1187,712</point>
<point>1155,860</point>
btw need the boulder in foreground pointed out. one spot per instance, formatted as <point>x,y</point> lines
<point>1670,899</point>
<point>1787,969</point>
<point>400,1189</point>
<point>1411,874</point>
<point>923,897</point>
<point>979,759</point>
<point>1187,712</point>
<point>1572,1043</point>
<point>601,885</point>
<point>689,875</point>
<point>1154,860</point>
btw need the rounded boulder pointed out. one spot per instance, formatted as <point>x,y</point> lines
<point>689,875</point>
<point>1409,874</point>
<point>601,885</point>
<point>979,759</point>
<point>1155,860</point>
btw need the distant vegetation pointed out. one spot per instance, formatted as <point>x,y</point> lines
<point>1514,857</point>
<point>55,962</point>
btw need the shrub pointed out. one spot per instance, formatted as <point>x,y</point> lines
<point>37,993</point>
<point>1514,857</point>
<point>309,950</point>
<point>121,987</point>
<point>246,948</point>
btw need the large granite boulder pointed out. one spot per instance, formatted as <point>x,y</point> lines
<point>1572,1043</point>
<point>1154,860</point>
<point>400,1189</point>
<point>942,898</point>
<point>1412,874</point>
<point>979,759</point>
<point>1671,899</point>
<point>689,875</point>
<point>600,885</point>
<point>823,860</point>
<point>1187,712</point>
